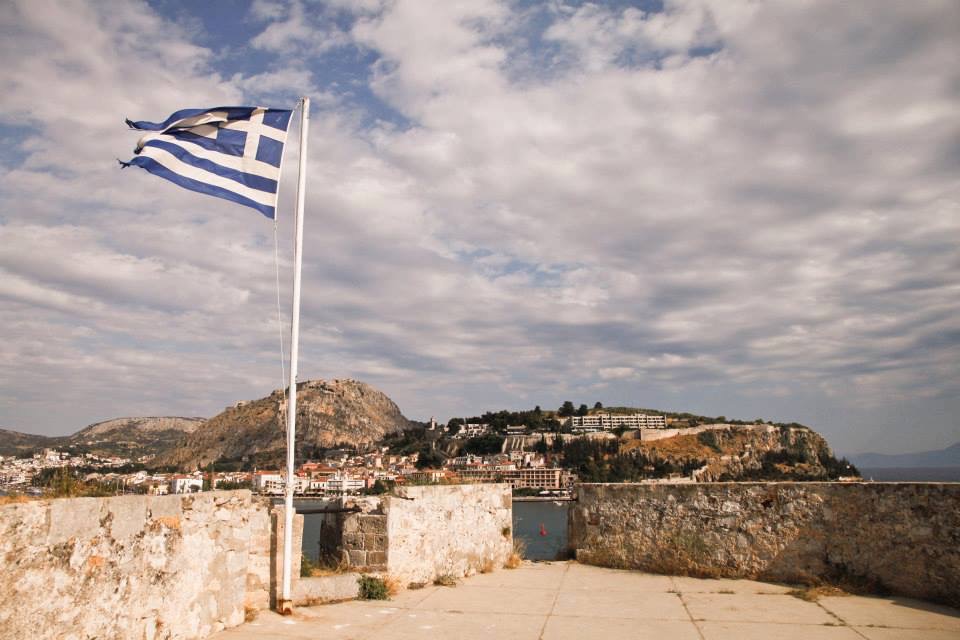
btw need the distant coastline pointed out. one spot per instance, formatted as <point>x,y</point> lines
<point>911,474</point>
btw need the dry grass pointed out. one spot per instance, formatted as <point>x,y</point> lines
<point>690,446</point>
<point>323,568</point>
<point>17,498</point>
<point>812,594</point>
<point>488,566</point>
<point>515,559</point>
<point>250,614</point>
<point>393,585</point>
<point>445,580</point>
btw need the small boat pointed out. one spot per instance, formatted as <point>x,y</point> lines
<point>543,530</point>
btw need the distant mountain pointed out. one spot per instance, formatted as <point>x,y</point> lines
<point>125,437</point>
<point>329,413</point>
<point>14,443</point>
<point>949,457</point>
<point>134,437</point>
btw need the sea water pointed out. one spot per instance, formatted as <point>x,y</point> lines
<point>542,527</point>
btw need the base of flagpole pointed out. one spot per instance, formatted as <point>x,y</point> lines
<point>285,607</point>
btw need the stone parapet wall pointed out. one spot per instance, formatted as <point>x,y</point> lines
<point>358,539</point>
<point>455,530</point>
<point>136,567</point>
<point>421,532</point>
<point>182,567</point>
<point>900,537</point>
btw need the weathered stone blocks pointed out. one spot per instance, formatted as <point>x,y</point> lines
<point>183,567</point>
<point>899,537</point>
<point>448,530</point>
<point>128,567</point>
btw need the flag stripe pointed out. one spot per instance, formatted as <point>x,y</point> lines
<point>205,148</point>
<point>200,186</point>
<point>217,113</point>
<point>249,179</point>
<point>164,157</point>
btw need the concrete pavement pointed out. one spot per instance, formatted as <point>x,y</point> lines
<point>566,600</point>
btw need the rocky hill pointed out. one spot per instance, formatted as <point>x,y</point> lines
<point>329,413</point>
<point>134,437</point>
<point>125,437</point>
<point>745,452</point>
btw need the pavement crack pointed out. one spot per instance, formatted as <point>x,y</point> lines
<point>843,623</point>
<point>693,620</point>
<point>553,605</point>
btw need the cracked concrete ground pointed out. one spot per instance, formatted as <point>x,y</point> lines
<point>566,600</point>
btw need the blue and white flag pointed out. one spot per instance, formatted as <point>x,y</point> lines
<point>228,152</point>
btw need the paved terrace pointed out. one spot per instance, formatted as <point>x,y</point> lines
<point>560,600</point>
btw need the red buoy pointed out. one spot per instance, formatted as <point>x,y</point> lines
<point>543,530</point>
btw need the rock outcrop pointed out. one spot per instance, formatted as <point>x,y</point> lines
<point>329,413</point>
<point>746,452</point>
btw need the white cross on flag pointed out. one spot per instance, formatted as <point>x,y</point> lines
<point>227,152</point>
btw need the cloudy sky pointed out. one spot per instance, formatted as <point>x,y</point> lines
<point>736,208</point>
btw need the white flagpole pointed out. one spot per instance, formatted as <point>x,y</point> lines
<point>285,605</point>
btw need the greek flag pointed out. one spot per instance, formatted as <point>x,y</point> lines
<point>228,152</point>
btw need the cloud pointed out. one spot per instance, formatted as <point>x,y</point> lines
<point>297,29</point>
<point>730,207</point>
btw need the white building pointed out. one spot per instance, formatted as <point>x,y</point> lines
<point>472,430</point>
<point>466,460</point>
<point>344,484</point>
<point>606,422</point>
<point>267,482</point>
<point>185,484</point>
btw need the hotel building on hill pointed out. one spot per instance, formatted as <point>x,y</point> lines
<point>607,421</point>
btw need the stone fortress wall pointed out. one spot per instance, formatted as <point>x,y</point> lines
<point>186,566</point>
<point>899,537</point>
<point>129,567</point>
<point>455,530</point>
<point>422,532</point>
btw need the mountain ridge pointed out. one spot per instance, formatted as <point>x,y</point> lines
<point>946,457</point>
<point>127,437</point>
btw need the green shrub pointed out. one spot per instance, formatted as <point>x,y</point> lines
<point>306,566</point>
<point>373,588</point>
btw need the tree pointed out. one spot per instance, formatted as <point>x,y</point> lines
<point>484,445</point>
<point>566,410</point>
<point>379,488</point>
<point>558,444</point>
<point>537,410</point>
<point>429,458</point>
<point>598,405</point>
<point>541,446</point>
<point>582,411</point>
